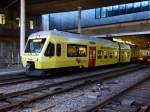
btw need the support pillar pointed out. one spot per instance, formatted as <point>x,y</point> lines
<point>22,27</point>
<point>79,19</point>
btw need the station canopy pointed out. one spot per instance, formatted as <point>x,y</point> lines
<point>37,7</point>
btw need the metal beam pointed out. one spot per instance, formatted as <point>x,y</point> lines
<point>120,28</point>
<point>79,19</point>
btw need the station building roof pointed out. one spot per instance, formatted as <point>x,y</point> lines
<point>37,7</point>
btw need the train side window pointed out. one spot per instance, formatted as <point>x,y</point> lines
<point>50,51</point>
<point>111,55</point>
<point>58,50</point>
<point>128,54</point>
<point>116,54</point>
<point>105,54</point>
<point>74,50</point>
<point>82,49</point>
<point>99,54</point>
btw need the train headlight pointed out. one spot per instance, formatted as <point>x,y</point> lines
<point>23,59</point>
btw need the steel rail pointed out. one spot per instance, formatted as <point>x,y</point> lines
<point>94,108</point>
<point>59,87</point>
<point>14,79</point>
<point>21,78</point>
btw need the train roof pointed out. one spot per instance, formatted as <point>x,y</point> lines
<point>69,35</point>
<point>61,33</point>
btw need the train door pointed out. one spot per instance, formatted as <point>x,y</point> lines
<point>92,56</point>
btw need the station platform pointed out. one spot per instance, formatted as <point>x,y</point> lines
<point>13,70</point>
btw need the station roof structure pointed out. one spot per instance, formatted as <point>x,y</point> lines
<point>139,40</point>
<point>36,7</point>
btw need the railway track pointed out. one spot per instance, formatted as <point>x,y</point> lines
<point>134,98</point>
<point>14,79</point>
<point>21,78</point>
<point>20,98</point>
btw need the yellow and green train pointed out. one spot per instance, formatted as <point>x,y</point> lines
<point>50,50</point>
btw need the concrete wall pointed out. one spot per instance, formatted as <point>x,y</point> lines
<point>9,34</point>
<point>65,20</point>
<point>9,50</point>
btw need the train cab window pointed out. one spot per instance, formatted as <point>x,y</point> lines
<point>58,50</point>
<point>74,50</point>
<point>50,51</point>
<point>35,45</point>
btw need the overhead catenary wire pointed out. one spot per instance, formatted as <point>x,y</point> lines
<point>10,4</point>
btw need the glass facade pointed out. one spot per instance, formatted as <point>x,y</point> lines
<point>122,9</point>
<point>45,22</point>
<point>2,19</point>
<point>31,24</point>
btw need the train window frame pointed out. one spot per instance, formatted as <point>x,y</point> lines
<point>128,54</point>
<point>58,49</point>
<point>125,53</point>
<point>48,49</point>
<point>99,54</point>
<point>111,55</point>
<point>35,45</point>
<point>116,54</point>
<point>77,51</point>
<point>105,54</point>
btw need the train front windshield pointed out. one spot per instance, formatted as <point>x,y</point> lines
<point>35,45</point>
